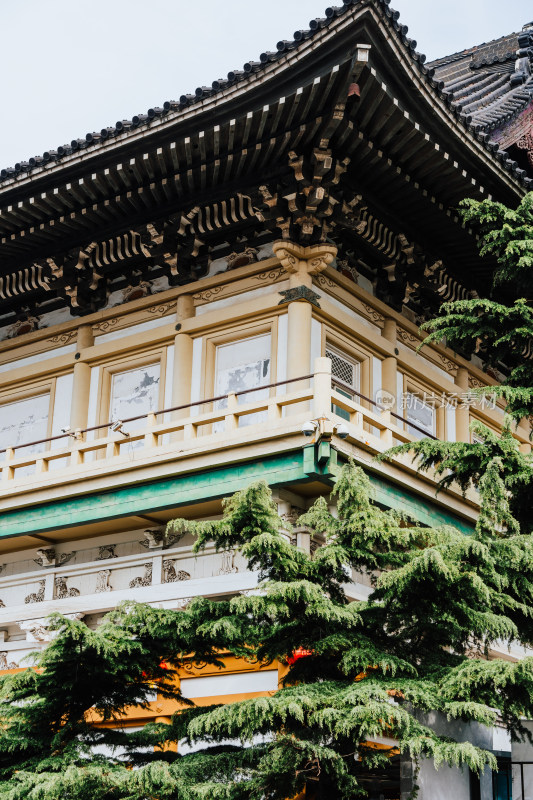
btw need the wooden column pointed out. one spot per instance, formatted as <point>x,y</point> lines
<point>462,415</point>
<point>524,429</point>
<point>301,263</point>
<point>81,383</point>
<point>389,365</point>
<point>181,384</point>
<point>441,422</point>
<point>168,746</point>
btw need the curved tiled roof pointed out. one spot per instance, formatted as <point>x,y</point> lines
<point>482,82</point>
<point>485,53</point>
<point>431,72</point>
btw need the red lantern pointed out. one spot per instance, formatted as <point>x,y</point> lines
<point>301,652</point>
<point>162,665</point>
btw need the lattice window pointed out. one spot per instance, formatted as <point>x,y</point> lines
<point>346,370</point>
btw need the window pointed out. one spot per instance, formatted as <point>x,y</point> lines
<point>502,780</point>
<point>25,421</point>
<point>243,365</point>
<point>345,370</point>
<point>419,413</point>
<point>133,392</point>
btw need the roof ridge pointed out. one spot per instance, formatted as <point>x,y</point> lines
<point>10,174</point>
<point>202,92</point>
<point>461,53</point>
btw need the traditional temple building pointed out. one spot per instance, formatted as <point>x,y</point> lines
<point>230,287</point>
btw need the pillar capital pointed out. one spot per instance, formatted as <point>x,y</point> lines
<point>312,258</point>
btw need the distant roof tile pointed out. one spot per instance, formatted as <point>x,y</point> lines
<point>483,83</point>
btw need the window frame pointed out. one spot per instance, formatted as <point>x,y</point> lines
<point>357,352</point>
<point>333,348</point>
<point>34,389</point>
<point>416,388</point>
<point>230,336</point>
<point>489,425</point>
<point>127,363</point>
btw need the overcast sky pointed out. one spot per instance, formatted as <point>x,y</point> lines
<point>71,67</point>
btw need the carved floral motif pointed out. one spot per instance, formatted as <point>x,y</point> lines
<point>474,383</point>
<point>36,597</point>
<point>171,575</point>
<point>242,259</point>
<point>106,551</point>
<point>374,315</point>
<point>4,664</point>
<point>64,558</point>
<point>325,282</point>
<point>162,309</point>
<point>49,558</point>
<point>63,338</point>
<point>105,325</point>
<point>208,294</point>
<point>271,275</point>
<point>408,338</point>
<point>62,589</point>
<point>228,563</point>
<point>144,580</point>
<point>135,292</point>
<point>449,366</point>
<point>46,557</point>
<point>37,630</point>
<point>153,539</point>
<point>22,326</point>
<point>102,581</point>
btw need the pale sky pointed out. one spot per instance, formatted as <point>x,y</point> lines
<point>70,67</point>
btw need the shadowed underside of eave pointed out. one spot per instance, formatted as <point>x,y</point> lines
<point>395,141</point>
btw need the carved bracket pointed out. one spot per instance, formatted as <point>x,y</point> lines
<point>299,293</point>
<point>295,257</point>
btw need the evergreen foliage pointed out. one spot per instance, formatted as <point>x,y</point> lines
<point>500,331</point>
<point>374,668</point>
<point>438,600</point>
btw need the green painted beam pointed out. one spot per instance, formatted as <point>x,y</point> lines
<point>285,469</point>
<point>392,496</point>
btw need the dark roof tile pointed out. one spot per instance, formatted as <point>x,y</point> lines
<point>483,80</point>
<point>438,73</point>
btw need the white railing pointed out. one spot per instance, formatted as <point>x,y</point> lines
<point>205,423</point>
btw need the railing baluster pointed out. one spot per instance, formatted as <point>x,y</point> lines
<point>231,421</point>
<point>322,388</point>
<point>386,433</point>
<point>274,410</point>
<point>8,471</point>
<point>76,453</point>
<point>189,430</point>
<point>112,449</point>
<point>151,438</point>
<point>41,465</point>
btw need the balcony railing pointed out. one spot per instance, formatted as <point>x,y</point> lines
<point>212,420</point>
